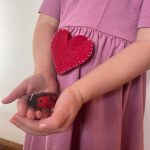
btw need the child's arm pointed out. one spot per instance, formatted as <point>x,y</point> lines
<point>44,77</point>
<point>45,28</point>
<point>121,68</point>
<point>131,62</point>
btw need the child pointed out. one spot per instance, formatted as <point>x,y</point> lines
<point>101,104</point>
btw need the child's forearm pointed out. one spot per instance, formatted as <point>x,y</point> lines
<point>44,31</point>
<point>119,69</point>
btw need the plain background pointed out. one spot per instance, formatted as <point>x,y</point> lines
<point>17,22</point>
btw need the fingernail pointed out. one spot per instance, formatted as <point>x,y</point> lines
<point>42,126</point>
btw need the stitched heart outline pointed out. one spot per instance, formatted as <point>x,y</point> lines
<point>70,52</point>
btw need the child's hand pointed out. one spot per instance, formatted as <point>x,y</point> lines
<point>34,84</point>
<point>65,110</point>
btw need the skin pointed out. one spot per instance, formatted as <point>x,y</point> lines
<point>130,63</point>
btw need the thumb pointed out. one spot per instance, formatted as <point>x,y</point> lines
<point>55,121</point>
<point>16,93</point>
<point>58,118</point>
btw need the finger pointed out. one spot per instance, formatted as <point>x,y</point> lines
<point>22,106</point>
<point>32,126</point>
<point>44,113</point>
<point>18,92</point>
<point>55,122</point>
<point>58,118</point>
<point>30,113</point>
<point>27,125</point>
<point>38,114</point>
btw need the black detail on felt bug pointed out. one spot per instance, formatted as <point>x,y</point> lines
<point>42,100</point>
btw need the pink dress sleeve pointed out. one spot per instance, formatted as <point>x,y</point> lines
<point>144,18</point>
<point>51,8</point>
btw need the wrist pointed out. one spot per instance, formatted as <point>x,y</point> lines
<point>77,93</point>
<point>47,74</point>
<point>50,81</point>
<point>82,91</point>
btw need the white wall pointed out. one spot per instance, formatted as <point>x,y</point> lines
<point>17,21</point>
<point>147,115</point>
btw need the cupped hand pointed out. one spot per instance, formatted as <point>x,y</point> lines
<point>34,84</point>
<point>66,108</point>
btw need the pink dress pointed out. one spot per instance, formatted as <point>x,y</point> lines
<point>113,121</point>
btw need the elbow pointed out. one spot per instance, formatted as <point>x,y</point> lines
<point>144,47</point>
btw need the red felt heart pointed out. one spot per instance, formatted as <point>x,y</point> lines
<point>70,52</point>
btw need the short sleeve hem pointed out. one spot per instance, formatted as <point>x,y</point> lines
<point>51,8</point>
<point>144,22</point>
<point>48,13</point>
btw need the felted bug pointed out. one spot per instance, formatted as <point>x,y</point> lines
<point>42,100</point>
